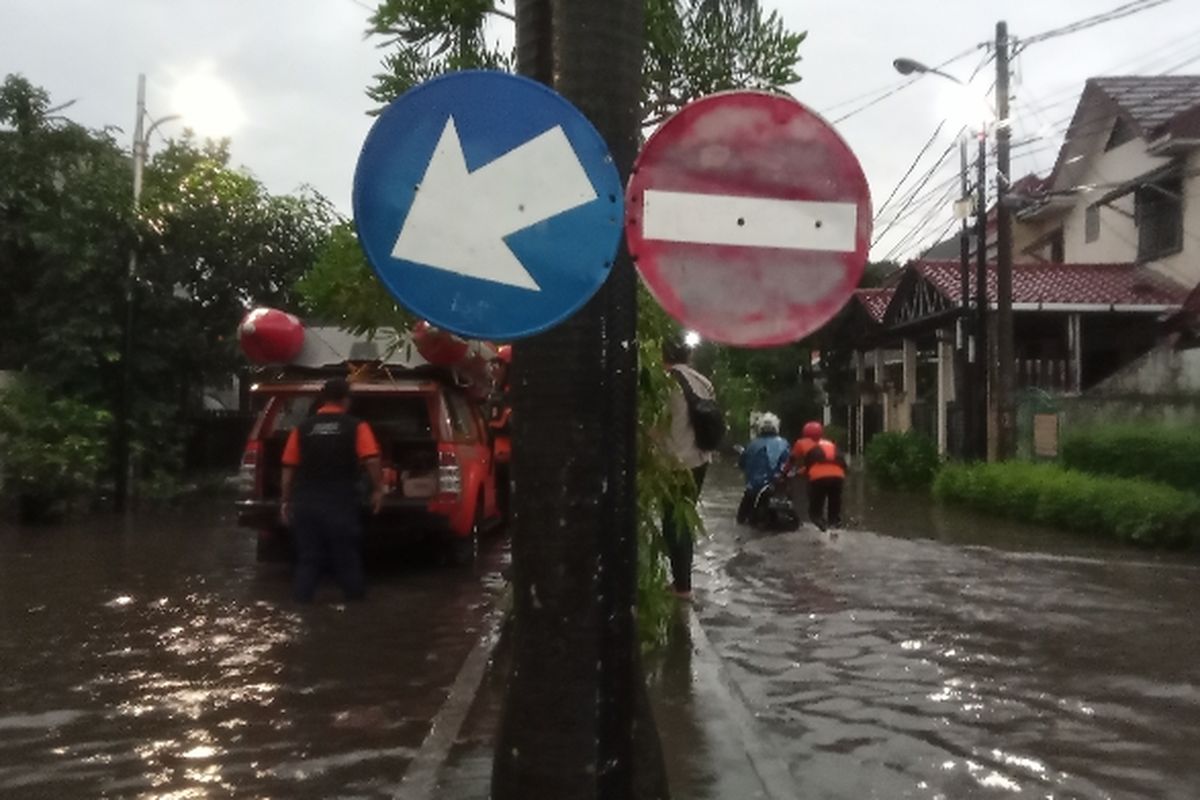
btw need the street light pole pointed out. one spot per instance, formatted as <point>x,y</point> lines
<point>1005,355</point>
<point>982,354</point>
<point>975,359</point>
<point>124,423</point>
<point>966,333</point>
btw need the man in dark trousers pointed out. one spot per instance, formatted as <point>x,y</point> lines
<point>825,468</point>
<point>319,497</point>
<point>680,441</point>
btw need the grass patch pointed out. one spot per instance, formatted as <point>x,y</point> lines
<point>902,460</point>
<point>1165,455</point>
<point>1130,509</point>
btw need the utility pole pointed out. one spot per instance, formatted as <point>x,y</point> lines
<point>982,357</point>
<point>121,462</point>
<point>1005,355</point>
<point>965,329</point>
<point>575,697</point>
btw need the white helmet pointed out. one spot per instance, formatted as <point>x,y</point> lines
<point>768,424</point>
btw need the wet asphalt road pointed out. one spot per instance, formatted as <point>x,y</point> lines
<point>905,658</point>
<point>158,660</point>
<point>924,665</point>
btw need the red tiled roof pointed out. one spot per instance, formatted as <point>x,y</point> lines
<point>1074,284</point>
<point>1193,301</point>
<point>875,301</point>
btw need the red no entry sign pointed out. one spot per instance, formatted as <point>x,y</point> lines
<point>749,218</point>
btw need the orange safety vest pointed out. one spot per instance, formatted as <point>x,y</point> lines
<point>800,452</point>
<point>824,461</point>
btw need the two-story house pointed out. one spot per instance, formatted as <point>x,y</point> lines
<point>1126,185</point>
<point>1107,246</point>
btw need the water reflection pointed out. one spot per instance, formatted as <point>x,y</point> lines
<point>157,660</point>
<point>955,657</point>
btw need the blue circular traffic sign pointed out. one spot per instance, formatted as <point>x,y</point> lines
<point>487,204</point>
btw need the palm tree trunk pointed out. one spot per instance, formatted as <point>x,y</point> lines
<point>575,699</point>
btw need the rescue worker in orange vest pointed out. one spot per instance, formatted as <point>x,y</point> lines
<point>810,435</point>
<point>321,465</point>
<point>825,468</point>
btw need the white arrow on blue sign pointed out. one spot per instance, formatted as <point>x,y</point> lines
<point>488,204</point>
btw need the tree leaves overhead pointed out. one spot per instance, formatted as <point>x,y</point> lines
<point>428,38</point>
<point>698,47</point>
<point>693,48</point>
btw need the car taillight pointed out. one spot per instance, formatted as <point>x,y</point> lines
<point>248,474</point>
<point>449,477</point>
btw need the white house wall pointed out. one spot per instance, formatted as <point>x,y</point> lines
<point>1184,266</point>
<point>1164,371</point>
<point>1117,242</point>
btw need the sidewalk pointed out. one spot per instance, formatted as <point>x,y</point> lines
<point>711,749</point>
<point>712,744</point>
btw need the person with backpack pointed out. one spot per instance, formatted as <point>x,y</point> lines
<point>695,428</point>
<point>810,436</point>
<point>763,461</point>
<point>322,463</point>
<point>825,469</point>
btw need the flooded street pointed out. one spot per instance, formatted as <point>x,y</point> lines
<point>903,658</point>
<point>902,666</point>
<point>161,661</point>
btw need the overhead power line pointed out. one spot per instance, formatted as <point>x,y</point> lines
<point>920,154</point>
<point>1120,12</point>
<point>877,98</point>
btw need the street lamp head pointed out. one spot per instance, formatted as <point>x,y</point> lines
<point>908,66</point>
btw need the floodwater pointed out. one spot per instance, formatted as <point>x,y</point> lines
<point>924,663</point>
<point>161,661</point>
<point>922,653</point>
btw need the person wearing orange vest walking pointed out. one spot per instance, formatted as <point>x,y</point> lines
<point>810,436</point>
<point>825,469</point>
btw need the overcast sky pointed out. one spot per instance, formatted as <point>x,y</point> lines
<point>286,79</point>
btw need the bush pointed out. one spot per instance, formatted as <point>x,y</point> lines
<point>1134,510</point>
<point>52,451</point>
<point>1166,455</point>
<point>837,434</point>
<point>902,460</point>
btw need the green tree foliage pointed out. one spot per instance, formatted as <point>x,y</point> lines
<point>211,242</point>
<point>214,243</point>
<point>427,38</point>
<point>53,448</point>
<point>773,379</point>
<point>693,47</point>
<point>342,289</point>
<point>65,237</point>
<point>902,460</point>
<point>698,47</point>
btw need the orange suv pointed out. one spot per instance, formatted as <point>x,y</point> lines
<point>440,470</point>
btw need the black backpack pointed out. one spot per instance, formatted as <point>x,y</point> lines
<point>708,422</point>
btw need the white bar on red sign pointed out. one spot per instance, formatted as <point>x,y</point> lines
<point>719,219</point>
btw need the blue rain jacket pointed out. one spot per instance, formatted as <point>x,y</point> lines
<point>763,459</point>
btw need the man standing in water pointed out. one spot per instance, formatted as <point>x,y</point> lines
<point>681,443</point>
<point>321,467</point>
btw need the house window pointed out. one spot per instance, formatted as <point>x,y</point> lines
<point>1122,132</point>
<point>1057,247</point>
<point>1091,223</point>
<point>1158,210</point>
